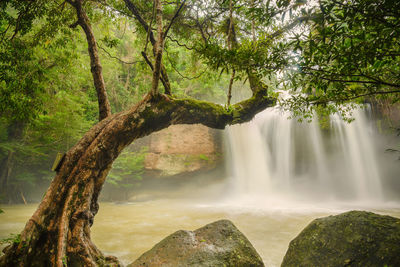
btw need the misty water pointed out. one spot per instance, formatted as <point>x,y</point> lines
<point>280,175</point>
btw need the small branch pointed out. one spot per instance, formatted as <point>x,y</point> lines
<point>253,25</point>
<point>158,47</point>
<point>147,60</point>
<point>4,32</point>
<point>290,26</point>
<point>181,45</point>
<point>318,102</point>
<point>23,197</point>
<point>230,29</point>
<point>180,74</point>
<point>230,88</point>
<point>74,25</point>
<point>165,83</point>
<point>174,17</point>
<point>201,31</point>
<point>131,6</point>
<point>149,29</point>
<point>353,81</point>
<point>120,60</point>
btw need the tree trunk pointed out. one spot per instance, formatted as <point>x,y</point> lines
<point>5,172</point>
<point>164,76</point>
<point>159,47</point>
<point>255,82</point>
<point>58,233</point>
<point>230,87</point>
<point>14,131</point>
<point>95,66</point>
<point>230,40</point>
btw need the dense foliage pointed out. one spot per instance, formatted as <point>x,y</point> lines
<point>46,98</point>
<point>351,51</point>
<point>329,53</point>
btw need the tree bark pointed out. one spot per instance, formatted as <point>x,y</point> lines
<point>230,42</point>
<point>95,65</point>
<point>159,47</point>
<point>58,233</point>
<point>255,82</point>
<point>15,132</point>
<point>164,76</point>
<point>230,87</point>
<point>5,172</point>
<point>253,25</point>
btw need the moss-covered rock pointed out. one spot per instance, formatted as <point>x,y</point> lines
<point>355,238</point>
<point>217,244</point>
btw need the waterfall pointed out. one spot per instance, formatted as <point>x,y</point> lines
<point>273,156</point>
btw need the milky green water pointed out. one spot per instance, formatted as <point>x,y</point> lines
<point>128,230</point>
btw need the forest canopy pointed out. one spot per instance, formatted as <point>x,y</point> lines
<point>330,50</point>
<point>140,66</point>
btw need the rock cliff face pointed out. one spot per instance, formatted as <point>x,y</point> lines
<point>181,149</point>
<point>387,111</point>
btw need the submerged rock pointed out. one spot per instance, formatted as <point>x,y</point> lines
<point>217,244</point>
<point>355,238</point>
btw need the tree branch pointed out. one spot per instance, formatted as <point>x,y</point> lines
<point>182,45</point>
<point>147,60</point>
<point>325,101</point>
<point>180,74</point>
<point>290,26</point>
<point>174,17</point>
<point>158,47</point>
<point>230,87</point>
<point>131,6</point>
<point>376,82</point>
<point>191,111</point>
<point>120,60</point>
<point>95,66</point>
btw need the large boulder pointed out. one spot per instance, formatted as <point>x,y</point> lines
<point>355,238</point>
<point>217,244</point>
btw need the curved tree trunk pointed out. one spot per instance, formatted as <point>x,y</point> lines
<point>58,233</point>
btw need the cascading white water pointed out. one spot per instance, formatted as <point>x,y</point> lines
<point>274,158</point>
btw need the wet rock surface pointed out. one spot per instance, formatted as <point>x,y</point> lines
<point>355,238</point>
<point>217,244</point>
<point>182,149</point>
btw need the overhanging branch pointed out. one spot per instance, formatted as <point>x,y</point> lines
<point>191,111</point>
<point>374,81</point>
<point>349,98</point>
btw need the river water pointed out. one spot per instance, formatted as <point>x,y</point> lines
<point>281,176</point>
<point>128,230</point>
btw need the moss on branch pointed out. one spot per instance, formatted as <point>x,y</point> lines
<point>190,111</point>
